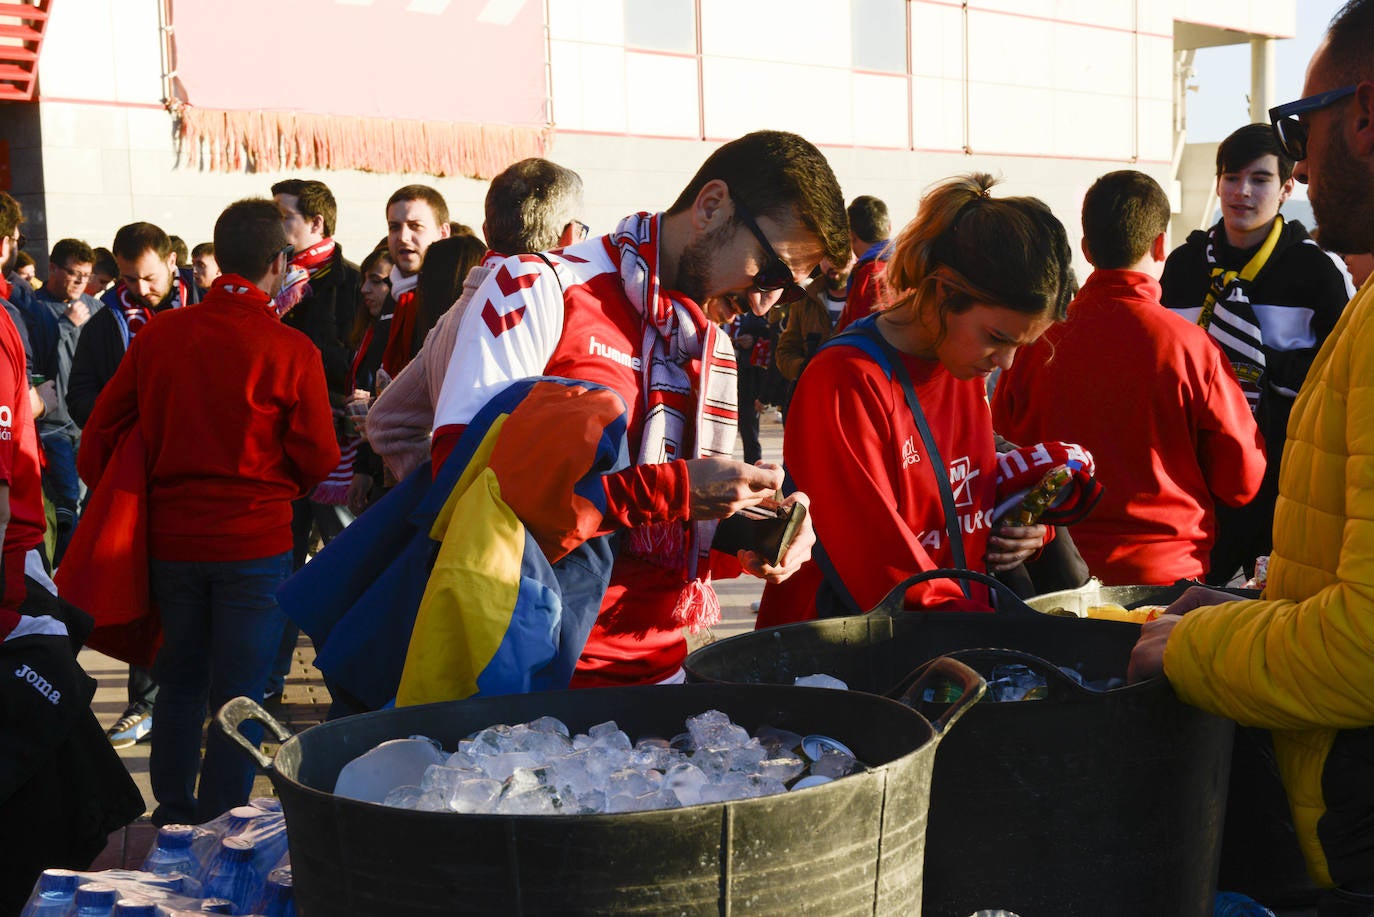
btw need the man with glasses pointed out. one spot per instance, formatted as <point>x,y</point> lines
<point>64,296</point>
<point>624,310</point>
<point>1300,661</point>
<point>1268,296</point>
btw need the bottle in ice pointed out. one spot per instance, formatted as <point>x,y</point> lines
<point>53,895</point>
<point>231,873</point>
<point>217,906</point>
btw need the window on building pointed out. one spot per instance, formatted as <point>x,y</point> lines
<point>661,25</point>
<point>878,35</point>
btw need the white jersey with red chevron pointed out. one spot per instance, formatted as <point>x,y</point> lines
<point>525,321</point>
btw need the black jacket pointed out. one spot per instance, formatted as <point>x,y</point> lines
<point>1298,275</point>
<point>326,317</point>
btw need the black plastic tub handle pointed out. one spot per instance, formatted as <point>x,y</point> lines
<point>239,711</point>
<point>972,685</point>
<point>1008,604</point>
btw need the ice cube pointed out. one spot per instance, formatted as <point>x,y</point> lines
<point>476,796</point>
<point>713,762</point>
<point>682,742</point>
<point>778,740</point>
<point>833,763</point>
<point>550,725</point>
<point>403,797</point>
<point>759,785</point>
<point>820,681</point>
<point>714,728</point>
<point>783,769</point>
<point>441,779</point>
<point>501,766</point>
<point>633,782</point>
<point>542,800</point>
<point>433,801</point>
<point>609,735</point>
<point>655,753</point>
<point>685,781</point>
<point>745,759</point>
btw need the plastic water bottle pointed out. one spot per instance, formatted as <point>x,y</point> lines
<point>277,897</point>
<point>95,900</point>
<point>266,803</point>
<point>134,907</point>
<point>56,890</point>
<point>172,855</point>
<point>1234,904</point>
<point>231,874</point>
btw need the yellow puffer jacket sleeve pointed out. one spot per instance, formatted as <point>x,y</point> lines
<point>1300,661</point>
<point>1303,657</point>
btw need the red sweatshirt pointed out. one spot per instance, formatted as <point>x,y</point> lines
<point>1152,398</point>
<point>235,412</point>
<point>852,445</point>
<point>19,464</point>
<point>865,292</point>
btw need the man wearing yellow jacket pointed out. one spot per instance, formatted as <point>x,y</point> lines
<point>1300,660</point>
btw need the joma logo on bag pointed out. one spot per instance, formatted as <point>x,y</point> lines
<point>40,684</point>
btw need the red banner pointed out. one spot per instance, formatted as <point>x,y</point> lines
<point>439,86</point>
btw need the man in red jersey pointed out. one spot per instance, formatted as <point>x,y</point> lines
<point>624,311</point>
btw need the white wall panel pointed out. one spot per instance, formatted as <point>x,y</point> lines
<point>588,87</point>
<point>794,31</point>
<point>937,113</point>
<point>937,41</point>
<point>598,21</point>
<point>661,95</point>
<point>1092,126</point>
<point>742,96</point>
<point>1010,49</point>
<point>1010,119</point>
<point>880,110</point>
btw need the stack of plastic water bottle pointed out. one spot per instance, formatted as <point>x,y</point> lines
<point>234,864</point>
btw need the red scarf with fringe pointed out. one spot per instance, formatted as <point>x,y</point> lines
<point>690,392</point>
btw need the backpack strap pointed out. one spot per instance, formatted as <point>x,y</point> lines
<point>866,337</point>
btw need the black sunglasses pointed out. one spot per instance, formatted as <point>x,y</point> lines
<point>1289,129</point>
<point>775,275</point>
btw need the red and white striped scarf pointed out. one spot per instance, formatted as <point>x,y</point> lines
<point>136,314</point>
<point>678,339</point>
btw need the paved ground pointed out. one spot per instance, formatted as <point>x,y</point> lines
<point>306,700</point>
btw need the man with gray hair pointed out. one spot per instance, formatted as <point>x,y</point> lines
<point>530,207</point>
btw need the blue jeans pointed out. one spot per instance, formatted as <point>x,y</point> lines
<point>221,628</point>
<point>61,483</point>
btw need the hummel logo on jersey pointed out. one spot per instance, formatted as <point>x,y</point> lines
<point>6,422</point>
<point>598,349</point>
<point>909,454</point>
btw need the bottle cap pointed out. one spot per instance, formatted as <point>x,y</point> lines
<point>175,837</point>
<point>58,881</point>
<point>93,894</point>
<point>237,849</point>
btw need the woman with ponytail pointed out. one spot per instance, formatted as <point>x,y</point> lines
<point>971,279</point>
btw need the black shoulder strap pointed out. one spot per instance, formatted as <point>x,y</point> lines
<point>898,369</point>
<point>559,280</point>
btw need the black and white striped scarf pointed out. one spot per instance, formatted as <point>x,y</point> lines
<point>1228,316</point>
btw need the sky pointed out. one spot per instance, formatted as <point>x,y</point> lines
<point>1222,77</point>
<point>1221,103</point>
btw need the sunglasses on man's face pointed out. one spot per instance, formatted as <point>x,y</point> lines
<point>1289,128</point>
<point>775,274</point>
